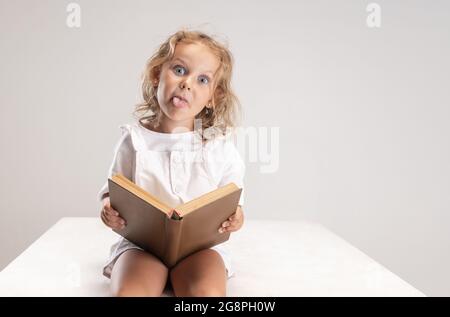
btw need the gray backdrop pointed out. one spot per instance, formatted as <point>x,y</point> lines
<point>363,115</point>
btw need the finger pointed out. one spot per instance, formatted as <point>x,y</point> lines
<point>234,225</point>
<point>116,225</point>
<point>111,211</point>
<point>115,220</point>
<point>102,216</point>
<point>110,224</point>
<point>223,227</point>
<point>119,221</point>
<point>233,222</point>
<point>230,228</point>
<point>227,227</point>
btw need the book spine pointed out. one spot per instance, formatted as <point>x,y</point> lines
<point>173,234</point>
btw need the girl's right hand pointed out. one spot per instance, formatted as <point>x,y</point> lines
<point>110,216</point>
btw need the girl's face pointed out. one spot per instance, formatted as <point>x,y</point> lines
<point>190,75</point>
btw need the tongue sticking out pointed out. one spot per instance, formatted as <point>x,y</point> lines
<point>180,103</point>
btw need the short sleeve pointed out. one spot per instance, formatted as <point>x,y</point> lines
<point>123,160</point>
<point>233,169</point>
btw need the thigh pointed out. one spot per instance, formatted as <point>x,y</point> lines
<point>138,273</point>
<point>200,274</point>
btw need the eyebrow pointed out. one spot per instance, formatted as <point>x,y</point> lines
<point>182,60</point>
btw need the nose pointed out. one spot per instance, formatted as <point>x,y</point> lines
<point>185,85</point>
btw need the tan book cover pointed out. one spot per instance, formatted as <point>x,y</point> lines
<point>172,233</point>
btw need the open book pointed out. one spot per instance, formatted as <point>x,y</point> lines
<point>169,233</point>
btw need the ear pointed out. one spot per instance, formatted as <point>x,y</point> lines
<point>156,81</point>
<point>219,93</point>
<point>155,75</point>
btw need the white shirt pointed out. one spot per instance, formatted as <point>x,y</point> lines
<point>179,169</point>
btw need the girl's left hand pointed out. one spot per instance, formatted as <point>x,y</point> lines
<point>234,223</point>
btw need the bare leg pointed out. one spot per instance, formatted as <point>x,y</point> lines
<point>200,274</point>
<point>138,273</point>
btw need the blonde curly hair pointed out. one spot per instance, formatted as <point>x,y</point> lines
<point>226,108</point>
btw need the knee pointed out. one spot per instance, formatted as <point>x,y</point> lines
<point>134,292</point>
<point>127,292</point>
<point>202,291</point>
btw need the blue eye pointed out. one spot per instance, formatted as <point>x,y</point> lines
<point>207,79</point>
<point>181,67</point>
<point>177,66</point>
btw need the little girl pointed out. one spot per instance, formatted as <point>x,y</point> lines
<point>186,89</point>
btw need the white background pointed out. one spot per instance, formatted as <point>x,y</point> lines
<point>363,115</point>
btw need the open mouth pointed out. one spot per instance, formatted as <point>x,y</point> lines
<point>179,102</point>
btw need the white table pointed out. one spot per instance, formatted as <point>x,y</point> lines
<point>270,258</point>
